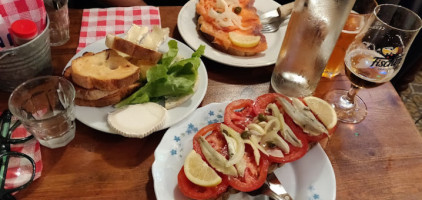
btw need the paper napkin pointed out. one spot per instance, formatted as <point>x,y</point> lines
<point>96,23</point>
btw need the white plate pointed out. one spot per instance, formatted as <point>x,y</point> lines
<point>311,177</point>
<point>96,117</point>
<point>186,23</point>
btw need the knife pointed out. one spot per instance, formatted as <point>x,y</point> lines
<point>280,13</point>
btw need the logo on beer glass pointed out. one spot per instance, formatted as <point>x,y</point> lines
<point>390,57</point>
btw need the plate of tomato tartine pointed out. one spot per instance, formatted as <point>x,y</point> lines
<point>305,175</point>
<point>239,42</point>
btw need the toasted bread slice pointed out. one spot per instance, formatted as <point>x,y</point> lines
<point>106,70</point>
<point>110,99</point>
<point>143,67</point>
<point>87,94</point>
<point>215,23</point>
<point>132,50</point>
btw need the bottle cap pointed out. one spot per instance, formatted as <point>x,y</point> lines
<point>23,28</point>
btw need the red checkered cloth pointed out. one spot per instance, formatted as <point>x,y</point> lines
<point>16,175</point>
<point>96,23</point>
<point>12,10</point>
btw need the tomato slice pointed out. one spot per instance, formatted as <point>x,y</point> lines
<point>261,104</point>
<point>295,152</point>
<point>215,138</point>
<point>254,175</point>
<point>299,131</point>
<point>238,114</point>
<point>262,101</point>
<point>194,191</point>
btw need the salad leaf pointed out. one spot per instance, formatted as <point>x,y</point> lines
<point>168,78</point>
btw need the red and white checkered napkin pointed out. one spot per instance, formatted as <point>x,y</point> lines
<point>96,23</point>
<point>12,10</point>
<point>30,148</point>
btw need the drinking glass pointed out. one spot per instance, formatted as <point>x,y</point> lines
<point>58,14</point>
<point>361,11</point>
<point>375,57</point>
<point>45,106</point>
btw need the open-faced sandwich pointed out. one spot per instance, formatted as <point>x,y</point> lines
<point>232,26</point>
<point>140,82</point>
<point>256,137</point>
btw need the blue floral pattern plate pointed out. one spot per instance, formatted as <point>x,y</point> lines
<point>309,178</point>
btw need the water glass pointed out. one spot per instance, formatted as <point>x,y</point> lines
<point>45,106</point>
<point>57,11</point>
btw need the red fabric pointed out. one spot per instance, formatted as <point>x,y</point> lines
<point>12,10</point>
<point>97,23</point>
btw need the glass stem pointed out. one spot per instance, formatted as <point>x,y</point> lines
<point>348,100</point>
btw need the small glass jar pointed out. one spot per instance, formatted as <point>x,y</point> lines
<point>23,31</point>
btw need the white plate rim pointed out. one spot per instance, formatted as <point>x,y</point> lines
<point>313,175</point>
<point>186,24</point>
<point>95,117</point>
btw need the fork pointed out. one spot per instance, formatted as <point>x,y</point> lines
<point>272,24</point>
<point>272,188</point>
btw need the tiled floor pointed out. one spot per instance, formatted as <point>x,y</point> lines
<point>412,98</point>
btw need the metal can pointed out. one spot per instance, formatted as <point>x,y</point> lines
<point>26,61</point>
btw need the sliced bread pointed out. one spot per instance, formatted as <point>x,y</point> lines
<point>106,70</point>
<point>132,50</point>
<point>110,99</point>
<point>215,23</point>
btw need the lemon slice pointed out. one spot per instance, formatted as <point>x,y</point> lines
<point>324,111</point>
<point>199,172</point>
<point>242,40</point>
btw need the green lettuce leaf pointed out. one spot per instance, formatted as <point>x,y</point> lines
<point>168,77</point>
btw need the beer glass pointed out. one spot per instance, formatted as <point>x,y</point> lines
<point>354,23</point>
<point>375,57</point>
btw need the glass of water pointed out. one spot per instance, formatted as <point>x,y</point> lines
<point>374,57</point>
<point>45,106</point>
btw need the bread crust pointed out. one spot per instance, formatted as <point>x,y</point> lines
<point>108,100</point>
<point>133,50</point>
<point>87,94</point>
<point>233,50</point>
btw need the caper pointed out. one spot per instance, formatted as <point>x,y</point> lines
<point>262,117</point>
<point>271,145</point>
<point>245,135</point>
<point>237,10</point>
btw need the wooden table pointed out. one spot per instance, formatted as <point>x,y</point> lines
<point>380,158</point>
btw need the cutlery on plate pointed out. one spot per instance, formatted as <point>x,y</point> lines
<point>272,20</point>
<point>272,188</point>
